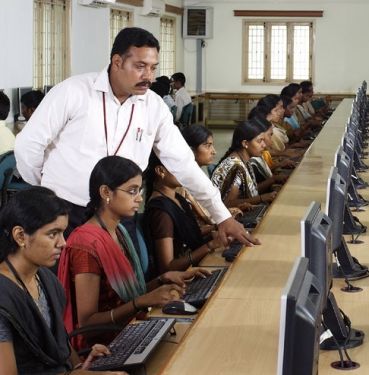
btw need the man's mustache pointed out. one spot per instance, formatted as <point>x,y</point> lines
<point>143,83</point>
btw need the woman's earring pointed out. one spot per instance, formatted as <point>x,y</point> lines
<point>107,200</point>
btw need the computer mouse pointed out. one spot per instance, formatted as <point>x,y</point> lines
<point>179,308</point>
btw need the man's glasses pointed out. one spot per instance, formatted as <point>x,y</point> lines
<point>134,192</point>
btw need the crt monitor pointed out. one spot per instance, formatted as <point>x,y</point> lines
<point>316,245</point>
<point>300,319</point>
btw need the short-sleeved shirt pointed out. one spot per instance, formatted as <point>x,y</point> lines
<point>164,228</point>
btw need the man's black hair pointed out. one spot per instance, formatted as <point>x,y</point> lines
<point>133,37</point>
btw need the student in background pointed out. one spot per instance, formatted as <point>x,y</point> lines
<point>182,97</point>
<point>87,117</point>
<point>161,87</point>
<point>33,339</point>
<point>234,175</point>
<point>7,138</point>
<point>174,236</point>
<point>100,268</point>
<point>264,176</point>
<point>201,141</point>
<point>29,102</point>
<point>167,97</point>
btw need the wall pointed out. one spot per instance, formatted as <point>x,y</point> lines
<point>341,50</point>
<point>90,49</point>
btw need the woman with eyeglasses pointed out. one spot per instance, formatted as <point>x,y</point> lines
<point>100,269</point>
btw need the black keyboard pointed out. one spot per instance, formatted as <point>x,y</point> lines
<point>133,344</point>
<point>251,218</point>
<point>231,253</point>
<point>200,289</point>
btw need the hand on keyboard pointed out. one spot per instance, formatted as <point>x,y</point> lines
<point>180,278</point>
<point>160,296</point>
<point>97,351</point>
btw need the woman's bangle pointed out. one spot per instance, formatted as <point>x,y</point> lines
<point>190,257</point>
<point>209,247</point>
<point>135,305</point>
<point>112,316</point>
<point>78,366</point>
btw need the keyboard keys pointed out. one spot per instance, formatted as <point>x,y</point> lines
<point>200,288</point>
<point>134,344</point>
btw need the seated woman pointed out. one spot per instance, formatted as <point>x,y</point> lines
<point>265,178</point>
<point>234,175</point>
<point>271,107</point>
<point>201,141</point>
<point>33,339</point>
<point>99,268</point>
<point>171,227</point>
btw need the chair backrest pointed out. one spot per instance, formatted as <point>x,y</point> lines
<point>7,166</point>
<point>186,114</point>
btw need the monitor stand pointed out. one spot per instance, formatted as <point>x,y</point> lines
<point>340,326</point>
<point>348,267</point>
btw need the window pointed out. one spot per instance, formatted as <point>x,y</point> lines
<point>277,51</point>
<point>51,42</point>
<point>167,46</point>
<point>119,19</point>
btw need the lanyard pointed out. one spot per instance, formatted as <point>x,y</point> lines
<point>106,128</point>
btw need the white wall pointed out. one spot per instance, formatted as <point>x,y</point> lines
<point>341,49</point>
<point>90,49</point>
<point>89,38</point>
<point>16,26</point>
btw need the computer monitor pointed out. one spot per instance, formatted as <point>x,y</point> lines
<point>343,164</point>
<point>316,245</point>
<point>300,319</point>
<point>47,88</point>
<point>19,92</point>
<point>338,211</point>
<point>335,204</point>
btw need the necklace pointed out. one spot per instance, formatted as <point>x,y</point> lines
<point>176,201</point>
<point>23,285</point>
<point>122,242</point>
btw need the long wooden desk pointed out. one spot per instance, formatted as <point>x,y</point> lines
<point>239,329</point>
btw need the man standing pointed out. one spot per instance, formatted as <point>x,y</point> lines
<point>113,112</point>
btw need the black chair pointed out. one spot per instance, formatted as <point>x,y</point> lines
<point>8,182</point>
<point>186,115</point>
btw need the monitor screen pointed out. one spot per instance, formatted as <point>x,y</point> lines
<point>316,245</point>
<point>300,319</point>
<point>20,91</point>
<point>335,205</point>
<point>47,88</point>
<point>343,164</point>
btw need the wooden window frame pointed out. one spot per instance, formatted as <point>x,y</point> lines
<point>267,50</point>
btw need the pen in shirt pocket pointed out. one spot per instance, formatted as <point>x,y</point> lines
<point>141,132</point>
<point>137,134</point>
